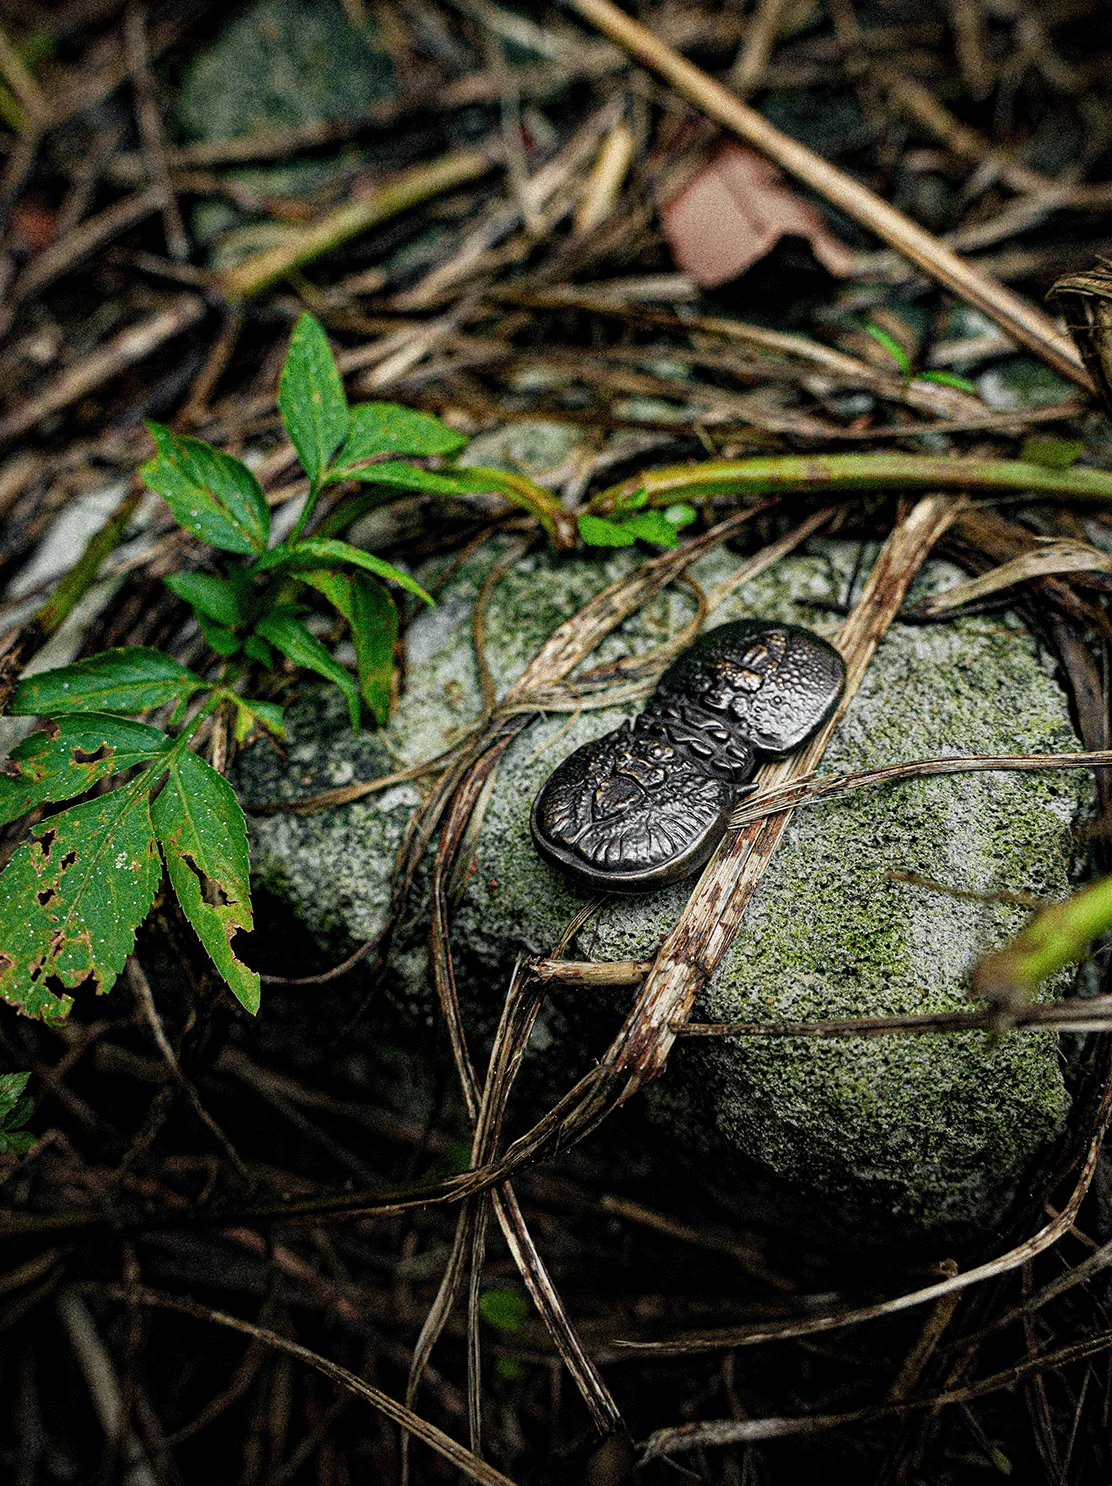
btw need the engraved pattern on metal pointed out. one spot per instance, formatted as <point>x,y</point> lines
<point>646,804</point>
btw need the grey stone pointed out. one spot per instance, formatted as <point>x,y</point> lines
<point>914,1138</point>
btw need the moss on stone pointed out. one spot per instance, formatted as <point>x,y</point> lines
<point>910,1135</point>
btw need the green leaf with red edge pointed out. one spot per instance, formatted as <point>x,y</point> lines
<point>311,397</point>
<point>72,898</point>
<point>203,835</point>
<point>212,494</point>
<point>291,637</point>
<point>70,756</point>
<point>133,679</point>
<point>312,551</point>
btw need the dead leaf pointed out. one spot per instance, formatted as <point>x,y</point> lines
<point>734,211</point>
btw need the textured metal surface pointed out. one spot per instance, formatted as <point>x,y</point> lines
<point>647,804</point>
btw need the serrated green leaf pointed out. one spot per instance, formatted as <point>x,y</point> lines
<point>133,679</point>
<point>211,494</point>
<point>70,757</point>
<point>408,477</point>
<point>72,899</point>
<point>218,638</point>
<point>203,835</point>
<point>388,428</point>
<point>258,650</point>
<point>311,397</point>
<point>290,636</point>
<point>314,550</point>
<point>14,1112</point>
<point>596,531</point>
<point>373,618</point>
<point>250,711</point>
<point>209,595</point>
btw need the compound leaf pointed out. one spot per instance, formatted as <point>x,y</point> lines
<point>291,637</point>
<point>14,1111</point>
<point>70,756</point>
<point>311,397</point>
<point>316,550</point>
<point>212,494</point>
<point>203,835</point>
<point>388,428</point>
<point>72,899</point>
<point>133,679</point>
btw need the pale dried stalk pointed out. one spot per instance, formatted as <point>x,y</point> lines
<point>1060,555</point>
<point>1020,320</point>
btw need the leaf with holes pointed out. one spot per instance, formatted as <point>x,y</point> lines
<point>313,550</point>
<point>14,1112</point>
<point>290,636</point>
<point>70,756</point>
<point>72,899</point>
<point>388,428</point>
<point>370,612</point>
<point>212,495</point>
<point>311,398</point>
<point>203,835</point>
<point>131,680</point>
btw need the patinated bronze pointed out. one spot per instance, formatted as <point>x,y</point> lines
<point>647,804</point>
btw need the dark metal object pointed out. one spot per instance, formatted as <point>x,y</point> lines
<point>647,804</point>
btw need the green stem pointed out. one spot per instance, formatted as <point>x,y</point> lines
<point>306,511</point>
<point>824,473</point>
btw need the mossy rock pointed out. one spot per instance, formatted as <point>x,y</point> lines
<point>907,1139</point>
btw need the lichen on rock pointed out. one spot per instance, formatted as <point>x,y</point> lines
<point>912,1137</point>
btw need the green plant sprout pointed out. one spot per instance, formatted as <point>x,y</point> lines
<point>631,523</point>
<point>907,370</point>
<point>76,892</point>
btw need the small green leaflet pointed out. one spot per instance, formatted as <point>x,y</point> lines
<point>70,757</point>
<point>949,379</point>
<point>290,636</point>
<point>211,494</point>
<point>14,1111</point>
<point>311,398</point>
<point>370,611</point>
<point>645,526</point>
<point>73,897</point>
<point>892,346</point>
<point>596,531</point>
<point>388,428</point>
<point>218,638</point>
<point>209,595</point>
<point>503,1309</point>
<point>316,550</point>
<point>249,710</point>
<point>203,835</point>
<point>129,680</point>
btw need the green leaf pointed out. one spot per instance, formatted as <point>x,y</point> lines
<point>72,899</point>
<point>70,757</point>
<point>218,638</point>
<point>409,477</point>
<point>203,835</point>
<point>133,679</point>
<point>290,636</point>
<point>316,550</point>
<point>388,428</point>
<point>209,595</point>
<point>892,346</point>
<point>14,1111</point>
<point>652,526</point>
<point>311,398</point>
<point>949,379</point>
<point>633,501</point>
<point>259,650</point>
<point>250,711</point>
<point>596,531</point>
<point>370,611</point>
<point>1053,454</point>
<point>212,495</point>
<point>504,1309</point>
<point>681,514</point>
